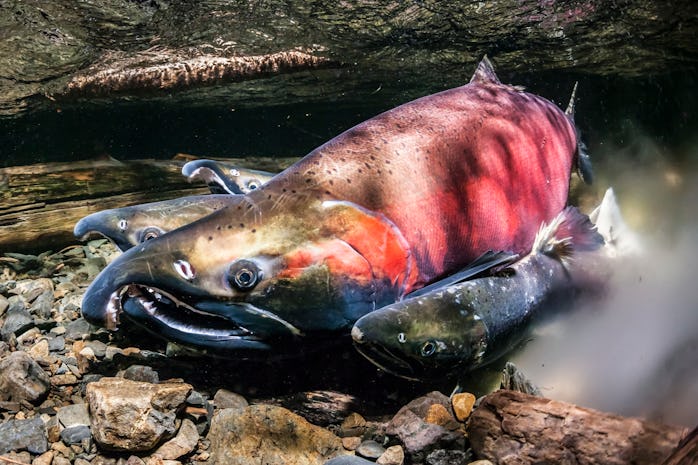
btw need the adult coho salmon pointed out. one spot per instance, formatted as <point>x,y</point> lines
<point>404,199</point>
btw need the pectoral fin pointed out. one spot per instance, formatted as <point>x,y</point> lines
<point>484,262</point>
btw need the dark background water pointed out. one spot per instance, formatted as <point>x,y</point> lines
<point>609,111</point>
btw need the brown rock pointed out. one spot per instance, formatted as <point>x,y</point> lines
<point>44,459</point>
<point>351,442</point>
<point>439,415</point>
<point>462,405</point>
<point>270,435</point>
<point>21,378</point>
<point>228,399</point>
<point>393,455</point>
<point>183,443</point>
<point>133,416</point>
<point>353,425</point>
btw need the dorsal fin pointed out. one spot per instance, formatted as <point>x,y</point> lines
<point>569,232</point>
<point>484,74</point>
<point>570,106</point>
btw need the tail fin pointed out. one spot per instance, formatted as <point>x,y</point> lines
<point>609,222</point>
<point>569,232</point>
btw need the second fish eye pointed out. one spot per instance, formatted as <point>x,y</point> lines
<point>150,233</point>
<point>252,184</point>
<point>428,349</point>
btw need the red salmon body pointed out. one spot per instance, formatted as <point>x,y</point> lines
<point>467,170</point>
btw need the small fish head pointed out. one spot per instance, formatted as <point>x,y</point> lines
<point>127,227</point>
<point>419,338</point>
<point>247,276</point>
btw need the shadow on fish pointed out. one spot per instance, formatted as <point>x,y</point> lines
<point>350,228</point>
<point>455,328</point>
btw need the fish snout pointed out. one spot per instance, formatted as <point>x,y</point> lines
<point>357,335</point>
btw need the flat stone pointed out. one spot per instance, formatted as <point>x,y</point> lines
<point>183,443</point>
<point>73,415</point>
<point>17,458</point>
<point>131,415</point>
<point>228,399</point>
<point>39,350</point>
<point>30,435</point>
<point>462,403</point>
<point>349,460</point>
<point>393,455</point>
<point>370,449</point>
<point>351,442</point>
<point>16,322</point>
<point>22,379</point>
<point>274,433</point>
<point>142,373</point>
<point>77,330</point>
<point>353,425</point>
<point>56,343</point>
<point>75,434</point>
<point>440,415</point>
<point>99,348</point>
<point>44,459</point>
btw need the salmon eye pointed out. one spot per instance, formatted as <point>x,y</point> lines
<point>123,224</point>
<point>150,233</point>
<point>428,349</point>
<point>244,274</point>
<point>253,184</point>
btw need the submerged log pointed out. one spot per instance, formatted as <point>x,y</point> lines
<point>687,451</point>
<point>40,204</point>
<point>515,428</point>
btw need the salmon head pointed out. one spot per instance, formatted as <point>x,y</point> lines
<point>129,226</point>
<point>254,275</point>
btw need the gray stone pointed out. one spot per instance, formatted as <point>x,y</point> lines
<point>17,321</point>
<point>133,416</point>
<point>77,330</point>
<point>27,435</point>
<point>42,305</point>
<point>349,460</point>
<point>280,436</point>
<point>56,343</point>
<point>17,302</point>
<point>196,399</point>
<point>99,348</point>
<point>448,457</point>
<point>228,399</point>
<point>73,415</point>
<point>370,449</point>
<point>142,373</point>
<point>21,378</point>
<point>75,434</point>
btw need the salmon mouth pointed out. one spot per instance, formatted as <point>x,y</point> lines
<point>167,316</point>
<point>383,357</point>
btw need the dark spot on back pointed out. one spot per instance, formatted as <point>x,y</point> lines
<point>210,238</point>
<point>242,225</point>
<point>254,230</point>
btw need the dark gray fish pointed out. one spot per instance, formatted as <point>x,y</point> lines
<point>459,327</point>
<point>130,226</point>
<point>222,177</point>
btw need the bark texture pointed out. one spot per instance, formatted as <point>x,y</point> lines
<point>514,428</point>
